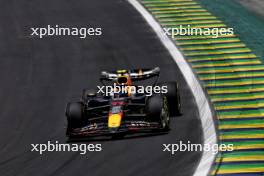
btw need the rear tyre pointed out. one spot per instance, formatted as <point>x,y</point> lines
<point>173,97</point>
<point>157,110</point>
<point>88,93</point>
<point>74,113</point>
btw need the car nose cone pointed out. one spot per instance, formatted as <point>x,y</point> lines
<point>113,130</point>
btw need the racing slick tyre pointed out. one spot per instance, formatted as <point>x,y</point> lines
<point>87,93</point>
<point>74,113</point>
<point>173,97</point>
<point>157,109</point>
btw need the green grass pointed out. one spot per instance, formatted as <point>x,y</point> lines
<point>248,26</point>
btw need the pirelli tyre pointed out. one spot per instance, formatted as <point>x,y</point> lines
<point>74,114</point>
<point>88,93</point>
<point>173,97</point>
<point>157,110</point>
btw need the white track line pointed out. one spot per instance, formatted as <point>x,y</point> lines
<point>205,112</point>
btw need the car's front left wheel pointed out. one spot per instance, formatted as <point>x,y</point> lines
<point>157,110</point>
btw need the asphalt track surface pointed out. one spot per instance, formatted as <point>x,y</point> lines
<point>39,76</point>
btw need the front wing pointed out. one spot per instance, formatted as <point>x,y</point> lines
<point>127,127</point>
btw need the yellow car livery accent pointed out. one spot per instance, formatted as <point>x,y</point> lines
<point>114,120</point>
<point>121,71</point>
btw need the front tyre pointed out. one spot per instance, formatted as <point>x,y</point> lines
<point>173,97</point>
<point>157,109</point>
<point>74,113</point>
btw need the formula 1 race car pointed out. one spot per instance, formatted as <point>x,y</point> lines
<point>117,113</point>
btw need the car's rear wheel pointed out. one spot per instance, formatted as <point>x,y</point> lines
<point>157,110</point>
<point>88,93</point>
<point>173,97</point>
<point>74,113</point>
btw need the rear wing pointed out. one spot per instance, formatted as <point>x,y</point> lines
<point>136,74</point>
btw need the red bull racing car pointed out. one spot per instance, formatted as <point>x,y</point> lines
<point>123,108</point>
